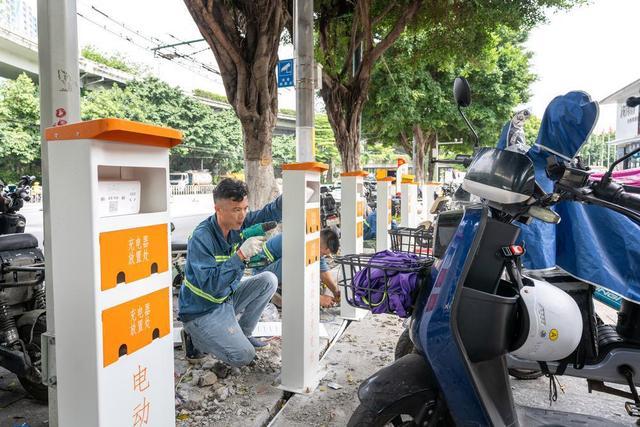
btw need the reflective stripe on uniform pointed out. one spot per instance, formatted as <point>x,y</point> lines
<point>269,255</point>
<point>202,294</point>
<point>223,258</point>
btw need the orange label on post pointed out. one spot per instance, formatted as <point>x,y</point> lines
<point>133,254</point>
<point>130,326</point>
<point>313,252</point>
<point>360,208</point>
<point>359,229</point>
<point>313,220</point>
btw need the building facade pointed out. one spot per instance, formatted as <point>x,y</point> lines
<point>627,123</point>
<point>19,17</point>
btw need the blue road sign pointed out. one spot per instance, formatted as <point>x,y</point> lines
<point>285,73</point>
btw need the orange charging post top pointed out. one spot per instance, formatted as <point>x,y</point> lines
<point>118,130</point>
<point>355,173</point>
<point>307,166</point>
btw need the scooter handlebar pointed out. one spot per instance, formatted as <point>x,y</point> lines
<point>458,161</point>
<point>630,200</point>
<point>613,192</point>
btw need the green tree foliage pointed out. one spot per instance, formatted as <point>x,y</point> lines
<point>284,149</point>
<point>114,61</point>
<point>326,150</point>
<point>531,129</point>
<point>19,129</point>
<point>414,101</point>
<point>210,95</point>
<point>457,28</point>
<point>596,152</point>
<point>213,139</point>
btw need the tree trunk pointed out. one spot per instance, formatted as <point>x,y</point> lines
<point>431,140</point>
<point>244,38</point>
<point>344,89</point>
<point>418,161</point>
<point>403,140</point>
<point>344,109</point>
<point>258,164</point>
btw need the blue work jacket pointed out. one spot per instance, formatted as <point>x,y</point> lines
<point>213,269</point>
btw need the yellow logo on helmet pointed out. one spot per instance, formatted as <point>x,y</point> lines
<point>553,334</point>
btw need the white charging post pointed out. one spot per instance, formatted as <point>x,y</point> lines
<point>383,213</point>
<point>108,184</point>
<point>352,208</point>
<point>408,204</point>
<point>428,197</point>
<point>301,276</point>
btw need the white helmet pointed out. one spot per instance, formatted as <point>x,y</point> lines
<point>555,323</point>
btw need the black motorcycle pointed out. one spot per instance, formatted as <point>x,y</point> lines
<point>22,292</point>
<point>329,211</point>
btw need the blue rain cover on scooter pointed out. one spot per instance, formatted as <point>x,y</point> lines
<point>594,244</point>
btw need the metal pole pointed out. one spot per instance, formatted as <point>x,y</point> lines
<point>608,150</point>
<point>303,34</point>
<point>413,155</point>
<point>59,104</point>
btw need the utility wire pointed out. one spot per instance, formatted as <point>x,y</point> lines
<point>123,25</point>
<point>105,28</point>
<point>154,40</point>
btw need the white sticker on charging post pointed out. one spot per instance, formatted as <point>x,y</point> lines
<point>118,198</point>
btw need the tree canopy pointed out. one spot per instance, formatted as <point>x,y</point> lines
<point>19,128</point>
<point>411,92</point>
<point>366,29</point>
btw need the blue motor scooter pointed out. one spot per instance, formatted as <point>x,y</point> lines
<point>478,307</point>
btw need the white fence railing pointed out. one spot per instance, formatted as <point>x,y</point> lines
<point>177,190</point>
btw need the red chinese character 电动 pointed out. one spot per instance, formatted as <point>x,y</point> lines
<point>140,380</point>
<point>141,413</point>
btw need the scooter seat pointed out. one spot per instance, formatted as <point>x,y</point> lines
<point>17,241</point>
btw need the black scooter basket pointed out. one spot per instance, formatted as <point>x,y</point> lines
<point>378,299</point>
<point>418,241</point>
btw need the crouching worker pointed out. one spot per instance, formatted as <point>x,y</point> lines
<point>329,245</point>
<point>215,291</point>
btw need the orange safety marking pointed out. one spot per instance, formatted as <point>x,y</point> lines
<point>355,173</point>
<point>118,130</point>
<point>313,251</point>
<point>387,179</point>
<point>360,208</point>
<point>359,229</point>
<point>308,166</point>
<point>133,254</point>
<point>128,327</point>
<point>313,220</point>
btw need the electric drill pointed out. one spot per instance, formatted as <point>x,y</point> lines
<point>257,230</point>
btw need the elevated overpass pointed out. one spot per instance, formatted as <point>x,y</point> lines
<point>19,55</point>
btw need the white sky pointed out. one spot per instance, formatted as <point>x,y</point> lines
<point>591,48</point>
